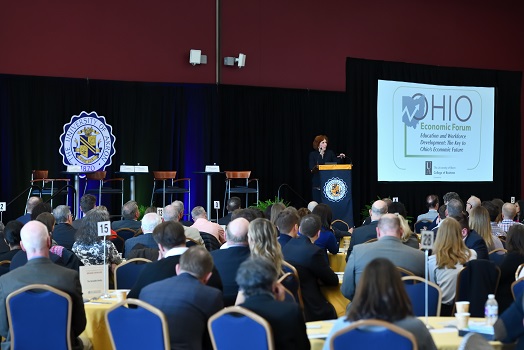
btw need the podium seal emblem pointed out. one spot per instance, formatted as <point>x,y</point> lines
<point>335,189</point>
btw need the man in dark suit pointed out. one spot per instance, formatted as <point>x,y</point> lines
<point>472,239</point>
<point>149,222</point>
<point>40,269</point>
<point>287,224</point>
<point>64,232</point>
<point>388,246</point>
<point>257,278</point>
<point>366,232</point>
<point>171,243</point>
<point>312,267</point>
<point>32,202</point>
<point>87,202</point>
<point>233,204</point>
<point>186,301</point>
<point>228,260</point>
<point>130,215</point>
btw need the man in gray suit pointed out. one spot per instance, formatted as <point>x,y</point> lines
<point>186,300</point>
<point>388,246</point>
<point>40,269</point>
<point>149,222</point>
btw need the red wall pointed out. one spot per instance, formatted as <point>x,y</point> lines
<point>291,43</point>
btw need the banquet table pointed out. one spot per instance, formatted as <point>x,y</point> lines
<point>335,297</point>
<point>444,332</point>
<point>337,262</point>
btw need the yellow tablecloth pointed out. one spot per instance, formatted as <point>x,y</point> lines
<point>335,297</point>
<point>337,262</point>
<point>96,328</point>
<point>444,338</point>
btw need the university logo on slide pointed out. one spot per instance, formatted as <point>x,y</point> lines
<point>429,167</point>
<point>87,141</point>
<point>335,189</point>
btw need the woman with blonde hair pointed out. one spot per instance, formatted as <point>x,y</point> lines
<point>449,255</point>
<point>480,222</point>
<point>262,239</point>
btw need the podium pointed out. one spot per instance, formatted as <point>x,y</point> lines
<point>335,190</point>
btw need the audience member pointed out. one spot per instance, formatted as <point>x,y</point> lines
<point>364,233</point>
<point>287,224</point>
<point>262,239</point>
<point>39,209</point>
<point>472,239</point>
<point>202,224</point>
<point>508,267</point>
<point>508,213</point>
<point>175,212</point>
<point>12,239</point>
<point>519,205</point>
<point>228,260</point>
<point>312,267</point>
<point>432,203</point>
<point>31,203</point>
<point>275,210</point>
<point>87,203</point>
<point>64,233</point>
<point>179,206</point>
<point>311,205</point>
<point>248,213</point>
<point>381,295</point>
<point>326,239</point>
<point>509,326</point>
<point>233,204</point>
<point>494,213</point>
<point>480,222</point>
<point>257,279</point>
<point>449,255</point>
<point>186,301</point>
<point>149,222</point>
<point>171,242</point>
<point>39,269</point>
<point>130,215</point>
<point>89,247</point>
<point>388,246</point>
<point>408,237</point>
<point>449,196</point>
<point>303,212</point>
<point>151,209</point>
<point>472,203</point>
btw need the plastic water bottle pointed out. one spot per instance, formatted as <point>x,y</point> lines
<point>491,310</point>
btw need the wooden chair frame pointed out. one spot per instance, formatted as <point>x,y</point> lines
<point>247,313</point>
<point>520,280</point>
<point>377,323</point>
<point>404,272</point>
<point>299,290</point>
<point>41,177</point>
<point>100,176</point>
<point>519,269</point>
<point>244,174</point>
<point>170,176</point>
<point>429,283</point>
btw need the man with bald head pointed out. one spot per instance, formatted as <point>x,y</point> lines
<point>175,212</point>
<point>366,232</point>
<point>229,259</point>
<point>149,222</point>
<point>509,211</point>
<point>40,269</point>
<point>388,246</point>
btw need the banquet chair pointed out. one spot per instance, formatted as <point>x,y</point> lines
<point>517,288</point>
<point>404,273</point>
<point>4,266</point>
<point>100,177</point>
<point>292,283</point>
<point>519,271</point>
<point>39,314</point>
<point>191,242</point>
<point>127,233</point>
<point>424,224</point>
<point>497,255</point>
<point>172,186</point>
<point>47,186</point>
<point>210,241</point>
<point>238,182</point>
<point>373,334</point>
<point>127,272</point>
<point>475,282</point>
<point>147,319</point>
<point>119,243</point>
<point>417,295</point>
<point>238,328</point>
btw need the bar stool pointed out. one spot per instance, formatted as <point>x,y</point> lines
<point>171,188</point>
<point>47,185</point>
<point>240,177</point>
<point>100,176</point>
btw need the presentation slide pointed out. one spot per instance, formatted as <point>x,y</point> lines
<point>434,132</point>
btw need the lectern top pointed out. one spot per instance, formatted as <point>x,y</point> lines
<point>335,167</point>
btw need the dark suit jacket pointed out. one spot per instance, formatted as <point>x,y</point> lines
<point>361,235</point>
<point>68,259</point>
<point>227,262</point>
<point>312,266</point>
<point>132,224</point>
<point>474,241</point>
<point>77,223</point>
<point>507,276</point>
<point>162,269</point>
<point>286,320</point>
<point>146,239</point>
<point>64,235</point>
<point>187,304</point>
<point>24,219</point>
<point>43,270</point>
<point>225,220</point>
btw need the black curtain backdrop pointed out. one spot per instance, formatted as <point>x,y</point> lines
<point>362,77</point>
<point>269,131</point>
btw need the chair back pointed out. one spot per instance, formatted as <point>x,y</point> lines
<point>497,256</point>
<point>210,241</point>
<point>118,243</point>
<point>519,270</point>
<point>417,295</point>
<point>238,174</point>
<point>191,242</point>
<point>127,233</point>
<point>404,273</point>
<point>97,175</point>
<point>424,224</point>
<point>292,282</point>
<point>146,319</point>
<point>475,282</point>
<point>40,174</point>
<point>339,224</point>
<point>127,273</point>
<point>371,240</point>
<point>373,334</point>
<point>517,288</point>
<point>39,315</point>
<point>235,327</point>
<point>164,175</point>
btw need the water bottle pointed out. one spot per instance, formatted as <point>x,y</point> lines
<point>491,310</point>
